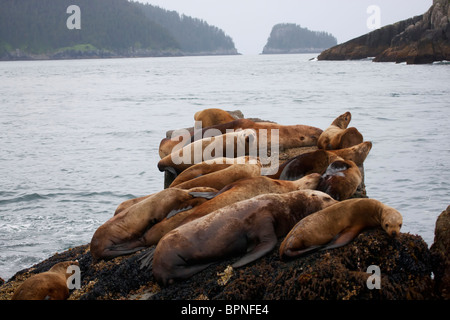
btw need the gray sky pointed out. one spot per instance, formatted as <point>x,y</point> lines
<point>249,22</point>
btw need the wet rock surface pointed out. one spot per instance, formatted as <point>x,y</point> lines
<point>440,252</point>
<point>339,274</point>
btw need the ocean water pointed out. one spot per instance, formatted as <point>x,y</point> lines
<point>78,137</point>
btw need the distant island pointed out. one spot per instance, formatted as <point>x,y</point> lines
<point>51,29</point>
<point>417,40</point>
<point>288,38</point>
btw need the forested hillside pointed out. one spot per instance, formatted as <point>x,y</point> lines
<point>292,38</point>
<point>193,35</point>
<point>39,29</point>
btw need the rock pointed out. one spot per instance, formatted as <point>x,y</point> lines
<point>288,38</point>
<point>338,274</point>
<point>422,39</point>
<point>440,250</point>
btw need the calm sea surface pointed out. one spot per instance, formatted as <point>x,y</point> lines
<point>79,137</point>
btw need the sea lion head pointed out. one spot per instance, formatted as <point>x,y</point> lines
<point>343,120</point>
<point>61,267</point>
<point>391,221</point>
<point>336,168</point>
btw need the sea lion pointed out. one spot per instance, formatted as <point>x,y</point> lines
<point>128,203</point>
<point>317,161</point>
<point>240,190</point>
<point>205,174</point>
<point>341,179</point>
<point>231,145</point>
<point>338,136</point>
<point>213,116</point>
<point>122,233</point>
<point>218,174</point>
<point>49,285</point>
<point>339,224</point>
<point>311,162</point>
<point>250,228</point>
<point>357,153</point>
<point>289,136</point>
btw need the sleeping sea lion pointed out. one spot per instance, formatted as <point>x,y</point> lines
<point>213,175</point>
<point>218,174</point>
<point>250,228</point>
<point>339,224</point>
<point>318,161</point>
<point>49,285</point>
<point>123,233</point>
<point>230,145</point>
<point>341,179</point>
<point>240,190</point>
<point>289,136</point>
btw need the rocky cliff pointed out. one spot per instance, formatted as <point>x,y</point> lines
<point>421,39</point>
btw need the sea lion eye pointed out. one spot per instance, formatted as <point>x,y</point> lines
<point>386,225</point>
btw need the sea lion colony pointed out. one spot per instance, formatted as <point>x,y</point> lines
<point>227,196</point>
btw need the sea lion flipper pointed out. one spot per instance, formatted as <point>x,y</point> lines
<point>342,238</point>
<point>147,258</point>
<point>206,195</point>
<point>267,243</point>
<point>295,253</point>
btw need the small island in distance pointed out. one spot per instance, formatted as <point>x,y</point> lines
<point>287,38</point>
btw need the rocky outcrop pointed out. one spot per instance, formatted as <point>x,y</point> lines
<point>339,274</point>
<point>289,38</point>
<point>440,254</point>
<point>422,39</point>
<point>405,266</point>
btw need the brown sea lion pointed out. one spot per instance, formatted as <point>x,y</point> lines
<point>289,136</point>
<point>49,285</point>
<point>341,179</point>
<point>339,224</point>
<point>306,163</point>
<point>213,116</point>
<point>250,228</point>
<point>218,174</point>
<point>240,190</point>
<point>214,175</point>
<point>231,145</point>
<point>318,161</point>
<point>128,203</point>
<point>357,153</point>
<point>338,136</point>
<point>123,233</point>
